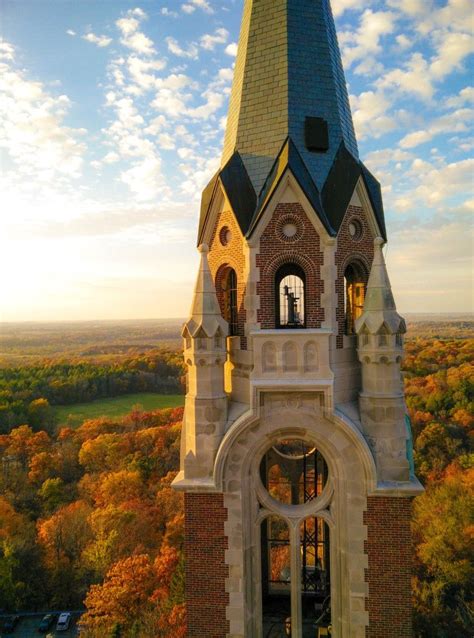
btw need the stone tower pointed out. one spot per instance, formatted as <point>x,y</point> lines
<point>296,448</point>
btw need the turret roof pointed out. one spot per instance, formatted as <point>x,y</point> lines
<point>380,311</point>
<point>205,314</point>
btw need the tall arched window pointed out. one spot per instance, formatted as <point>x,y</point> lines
<point>290,297</point>
<point>231,313</point>
<point>294,564</point>
<point>355,281</point>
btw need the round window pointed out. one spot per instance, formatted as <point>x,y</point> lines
<point>225,235</point>
<point>355,229</point>
<point>290,230</point>
<point>294,472</point>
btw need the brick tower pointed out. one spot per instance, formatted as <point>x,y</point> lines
<point>296,449</point>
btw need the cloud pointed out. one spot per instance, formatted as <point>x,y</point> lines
<point>339,6</point>
<point>430,267</point>
<point>370,114</point>
<point>192,5</point>
<point>132,38</point>
<point>437,184</point>
<point>174,47</point>
<point>32,127</point>
<point>71,32</point>
<point>456,122</point>
<point>465,96</point>
<point>413,78</point>
<point>100,40</point>
<point>168,12</point>
<point>231,49</point>
<point>145,178</point>
<point>365,42</point>
<point>209,41</point>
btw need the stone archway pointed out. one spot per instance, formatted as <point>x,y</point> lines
<point>342,505</point>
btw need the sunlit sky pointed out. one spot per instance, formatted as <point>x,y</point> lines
<point>112,117</point>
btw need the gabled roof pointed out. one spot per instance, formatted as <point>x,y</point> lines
<point>330,205</point>
<point>289,158</point>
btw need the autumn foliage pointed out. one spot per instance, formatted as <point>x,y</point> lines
<point>88,516</point>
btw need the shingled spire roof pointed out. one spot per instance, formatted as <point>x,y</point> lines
<point>288,68</point>
<point>289,87</point>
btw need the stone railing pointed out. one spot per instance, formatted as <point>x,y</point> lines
<point>291,355</point>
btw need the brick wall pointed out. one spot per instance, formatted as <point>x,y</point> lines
<point>276,250</point>
<point>348,249</point>
<point>389,549</point>
<point>231,255</point>
<point>206,572</point>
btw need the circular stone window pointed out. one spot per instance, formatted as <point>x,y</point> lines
<point>355,229</point>
<point>289,230</point>
<point>294,472</point>
<point>225,235</point>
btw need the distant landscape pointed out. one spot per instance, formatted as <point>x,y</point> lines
<point>90,422</point>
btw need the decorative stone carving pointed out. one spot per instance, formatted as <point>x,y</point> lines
<point>290,357</point>
<point>269,358</point>
<point>311,359</point>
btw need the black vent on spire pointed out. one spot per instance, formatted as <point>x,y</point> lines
<point>316,134</point>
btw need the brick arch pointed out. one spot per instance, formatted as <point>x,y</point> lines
<point>359,259</point>
<point>266,288</point>
<point>220,275</point>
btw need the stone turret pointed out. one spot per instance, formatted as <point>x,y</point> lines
<point>380,331</point>
<point>204,337</point>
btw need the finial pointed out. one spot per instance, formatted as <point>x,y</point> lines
<point>203,248</point>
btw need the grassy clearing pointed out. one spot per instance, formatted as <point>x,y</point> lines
<point>74,415</point>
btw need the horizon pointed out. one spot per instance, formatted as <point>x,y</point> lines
<point>114,119</point>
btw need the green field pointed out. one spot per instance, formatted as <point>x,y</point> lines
<point>74,415</point>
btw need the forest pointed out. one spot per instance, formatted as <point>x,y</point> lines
<point>88,518</point>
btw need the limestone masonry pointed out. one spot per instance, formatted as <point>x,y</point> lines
<point>296,447</point>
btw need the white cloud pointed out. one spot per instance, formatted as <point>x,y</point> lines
<point>192,5</point>
<point>465,96</point>
<point>231,49</point>
<point>71,32</point>
<point>175,48</point>
<point>145,178</point>
<point>452,49</point>
<point>455,122</point>
<point>209,41</point>
<point>168,12</point>
<point>438,184</point>
<point>365,42</point>
<point>99,40</point>
<point>32,128</point>
<point>370,114</point>
<point>413,78</point>
<point>339,6</point>
<point>132,38</point>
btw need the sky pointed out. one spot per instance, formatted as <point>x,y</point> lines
<point>112,116</point>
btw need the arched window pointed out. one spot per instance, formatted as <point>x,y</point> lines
<point>294,473</point>
<point>355,281</point>
<point>290,297</point>
<point>231,313</point>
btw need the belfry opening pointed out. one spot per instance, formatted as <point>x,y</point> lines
<point>295,454</point>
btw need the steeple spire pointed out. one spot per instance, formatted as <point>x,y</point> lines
<point>205,311</point>
<point>288,68</point>
<point>379,307</point>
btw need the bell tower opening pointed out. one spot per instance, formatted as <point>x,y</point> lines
<point>355,284</point>
<point>230,306</point>
<point>290,297</point>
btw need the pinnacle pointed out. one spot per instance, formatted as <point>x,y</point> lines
<point>379,306</point>
<point>205,311</point>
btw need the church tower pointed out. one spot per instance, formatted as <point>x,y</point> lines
<point>296,454</point>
